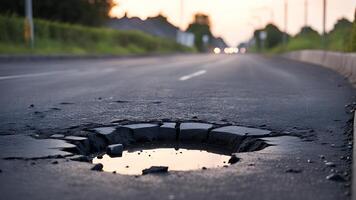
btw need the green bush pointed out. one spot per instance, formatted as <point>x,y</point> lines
<point>338,39</point>
<point>353,36</point>
<point>55,37</point>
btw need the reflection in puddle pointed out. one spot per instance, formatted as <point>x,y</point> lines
<point>133,162</point>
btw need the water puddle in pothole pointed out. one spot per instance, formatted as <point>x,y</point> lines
<point>133,162</point>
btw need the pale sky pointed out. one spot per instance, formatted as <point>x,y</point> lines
<point>235,20</point>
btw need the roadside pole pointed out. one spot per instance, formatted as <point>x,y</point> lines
<point>353,181</point>
<point>324,24</point>
<point>29,32</point>
<point>285,23</point>
<point>306,5</point>
<point>181,14</point>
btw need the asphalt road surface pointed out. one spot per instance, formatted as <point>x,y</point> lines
<point>277,94</point>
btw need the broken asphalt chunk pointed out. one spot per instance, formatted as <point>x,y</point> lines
<point>167,132</point>
<point>294,171</point>
<point>97,143</point>
<point>226,135</point>
<point>75,138</point>
<point>115,135</point>
<point>115,150</point>
<point>244,131</point>
<point>229,135</point>
<point>57,136</point>
<point>143,132</point>
<point>82,143</point>
<point>105,130</point>
<point>195,132</point>
<point>336,177</point>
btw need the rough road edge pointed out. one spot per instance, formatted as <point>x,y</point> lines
<point>353,184</point>
<point>343,63</point>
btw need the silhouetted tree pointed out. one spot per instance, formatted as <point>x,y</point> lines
<point>200,27</point>
<point>87,12</point>
<point>339,37</point>
<point>342,23</point>
<point>274,37</point>
<point>308,31</point>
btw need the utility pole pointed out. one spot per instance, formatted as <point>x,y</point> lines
<point>272,16</point>
<point>306,13</point>
<point>181,13</point>
<point>29,33</point>
<point>324,24</point>
<point>181,37</point>
<point>285,23</point>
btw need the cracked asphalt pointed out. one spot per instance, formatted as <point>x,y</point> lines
<point>298,99</point>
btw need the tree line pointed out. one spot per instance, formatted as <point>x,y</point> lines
<point>339,38</point>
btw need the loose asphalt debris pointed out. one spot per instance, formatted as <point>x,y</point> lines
<point>330,164</point>
<point>234,159</point>
<point>294,171</point>
<point>336,177</point>
<point>97,167</point>
<point>155,170</point>
<point>66,103</point>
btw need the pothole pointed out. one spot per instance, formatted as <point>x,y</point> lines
<point>140,148</point>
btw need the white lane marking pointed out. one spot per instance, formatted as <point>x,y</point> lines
<point>187,77</point>
<point>211,64</point>
<point>34,74</point>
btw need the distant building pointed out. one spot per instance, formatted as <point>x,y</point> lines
<point>160,27</point>
<point>185,38</point>
<point>218,42</point>
<point>157,26</point>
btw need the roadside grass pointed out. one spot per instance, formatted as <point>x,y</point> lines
<point>63,38</point>
<point>353,36</point>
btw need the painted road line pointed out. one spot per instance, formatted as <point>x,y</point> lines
<point>32,75</point>
<point>187,77</point>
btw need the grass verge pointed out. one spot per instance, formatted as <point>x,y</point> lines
<point>70,39</point>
